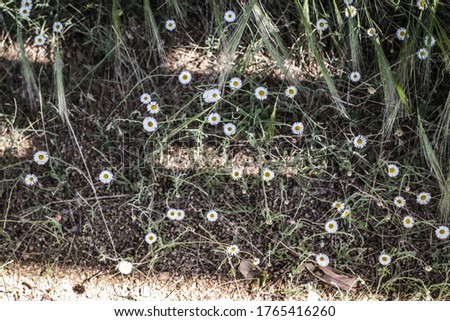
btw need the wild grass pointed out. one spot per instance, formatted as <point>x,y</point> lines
<point>401,105</point>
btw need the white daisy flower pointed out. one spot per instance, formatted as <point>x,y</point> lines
<point>355,76</point>
<point>291,91</point>
<point>58,27</point>
<point>172,214</point>
<point>105,177</point>
<point>39,40</point>
<point>24,12</point>
<point>229,129</point>
<point>125,267</point>
<point>26,3</point>
<point>384,259</point>
<point>442,232</point>
<point>297,128</point>
<point>401,33</point>
<point>340,206</point>
<point>236,173</point>
<point>261,93</point>
<point>235,83</point>
<point>423,53</point>
<point>360,141</point>
<point>146,98</point>
<point>268,174</point>
<point>421,4</point>
<point>350,11</point>
<point>212,95</point>
<point>180,215</point>
<point>331,226</point>
<point>150,124</point>
<point>393,170</point>
<point>256,261</point>
<point>371,32</point>
<point>408,221</point>
<point>41,157</point>
<point>214,119</point>
<point>346,213</point>
<point>229,16</point>
<point>185,77</point>
<point>429,41</point>
<point>322,259</point>
<point>322,24</point>
<point>150,238</point>
<point>153,107</point>
<point>423,198</point>
<point>400,201</point>
<point>30,180</point>
<point>212,216</point>
<point>170,25</point>
<point>233,250</point>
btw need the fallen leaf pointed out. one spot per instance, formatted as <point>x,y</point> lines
<point>164,276</point>
<point>332,276</point>
<point>246,269</point>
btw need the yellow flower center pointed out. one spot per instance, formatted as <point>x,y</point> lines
<point>235,84</point>
<point>214,95</point>
<point>359,141</point>
<point>31,179</point>
<point>337,206</point>
<point>25,11</point>
<point>261,93</point>
<point>350,11</point>
<point>211,215</point>
<point>230,129</point>
<point>105,176</point>
<point>322,259</point>
<point>402,33</point>
<point>179,214</point>
<point>291,91</point>
<point>346,213</point>
<point>151,238</point>
<point>233,249</point>
<point>384,259</point>
<point>267,174</point>
<point>321,24</point>
<point>407,221</point>
<point>41,157</point>
<point>153,107</point>
<point>297,127</point>
<point>213,118</point>
<point>236,173</point>
<point>441,231</point>
<point>422,53</point>
<point>331,225</point>
<point>185,77</point>
<point>172,213</point>
<point>423,197</point>
<point>150,124</point>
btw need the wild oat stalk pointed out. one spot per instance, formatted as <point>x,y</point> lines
<point>229,49</point>
<point>59,82</point>
<point>28,74</point>
<point>437,169</point>
<point>394,95</point>
<point>272,39</point>
<point>153,28</point>
<point>304,18</point>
